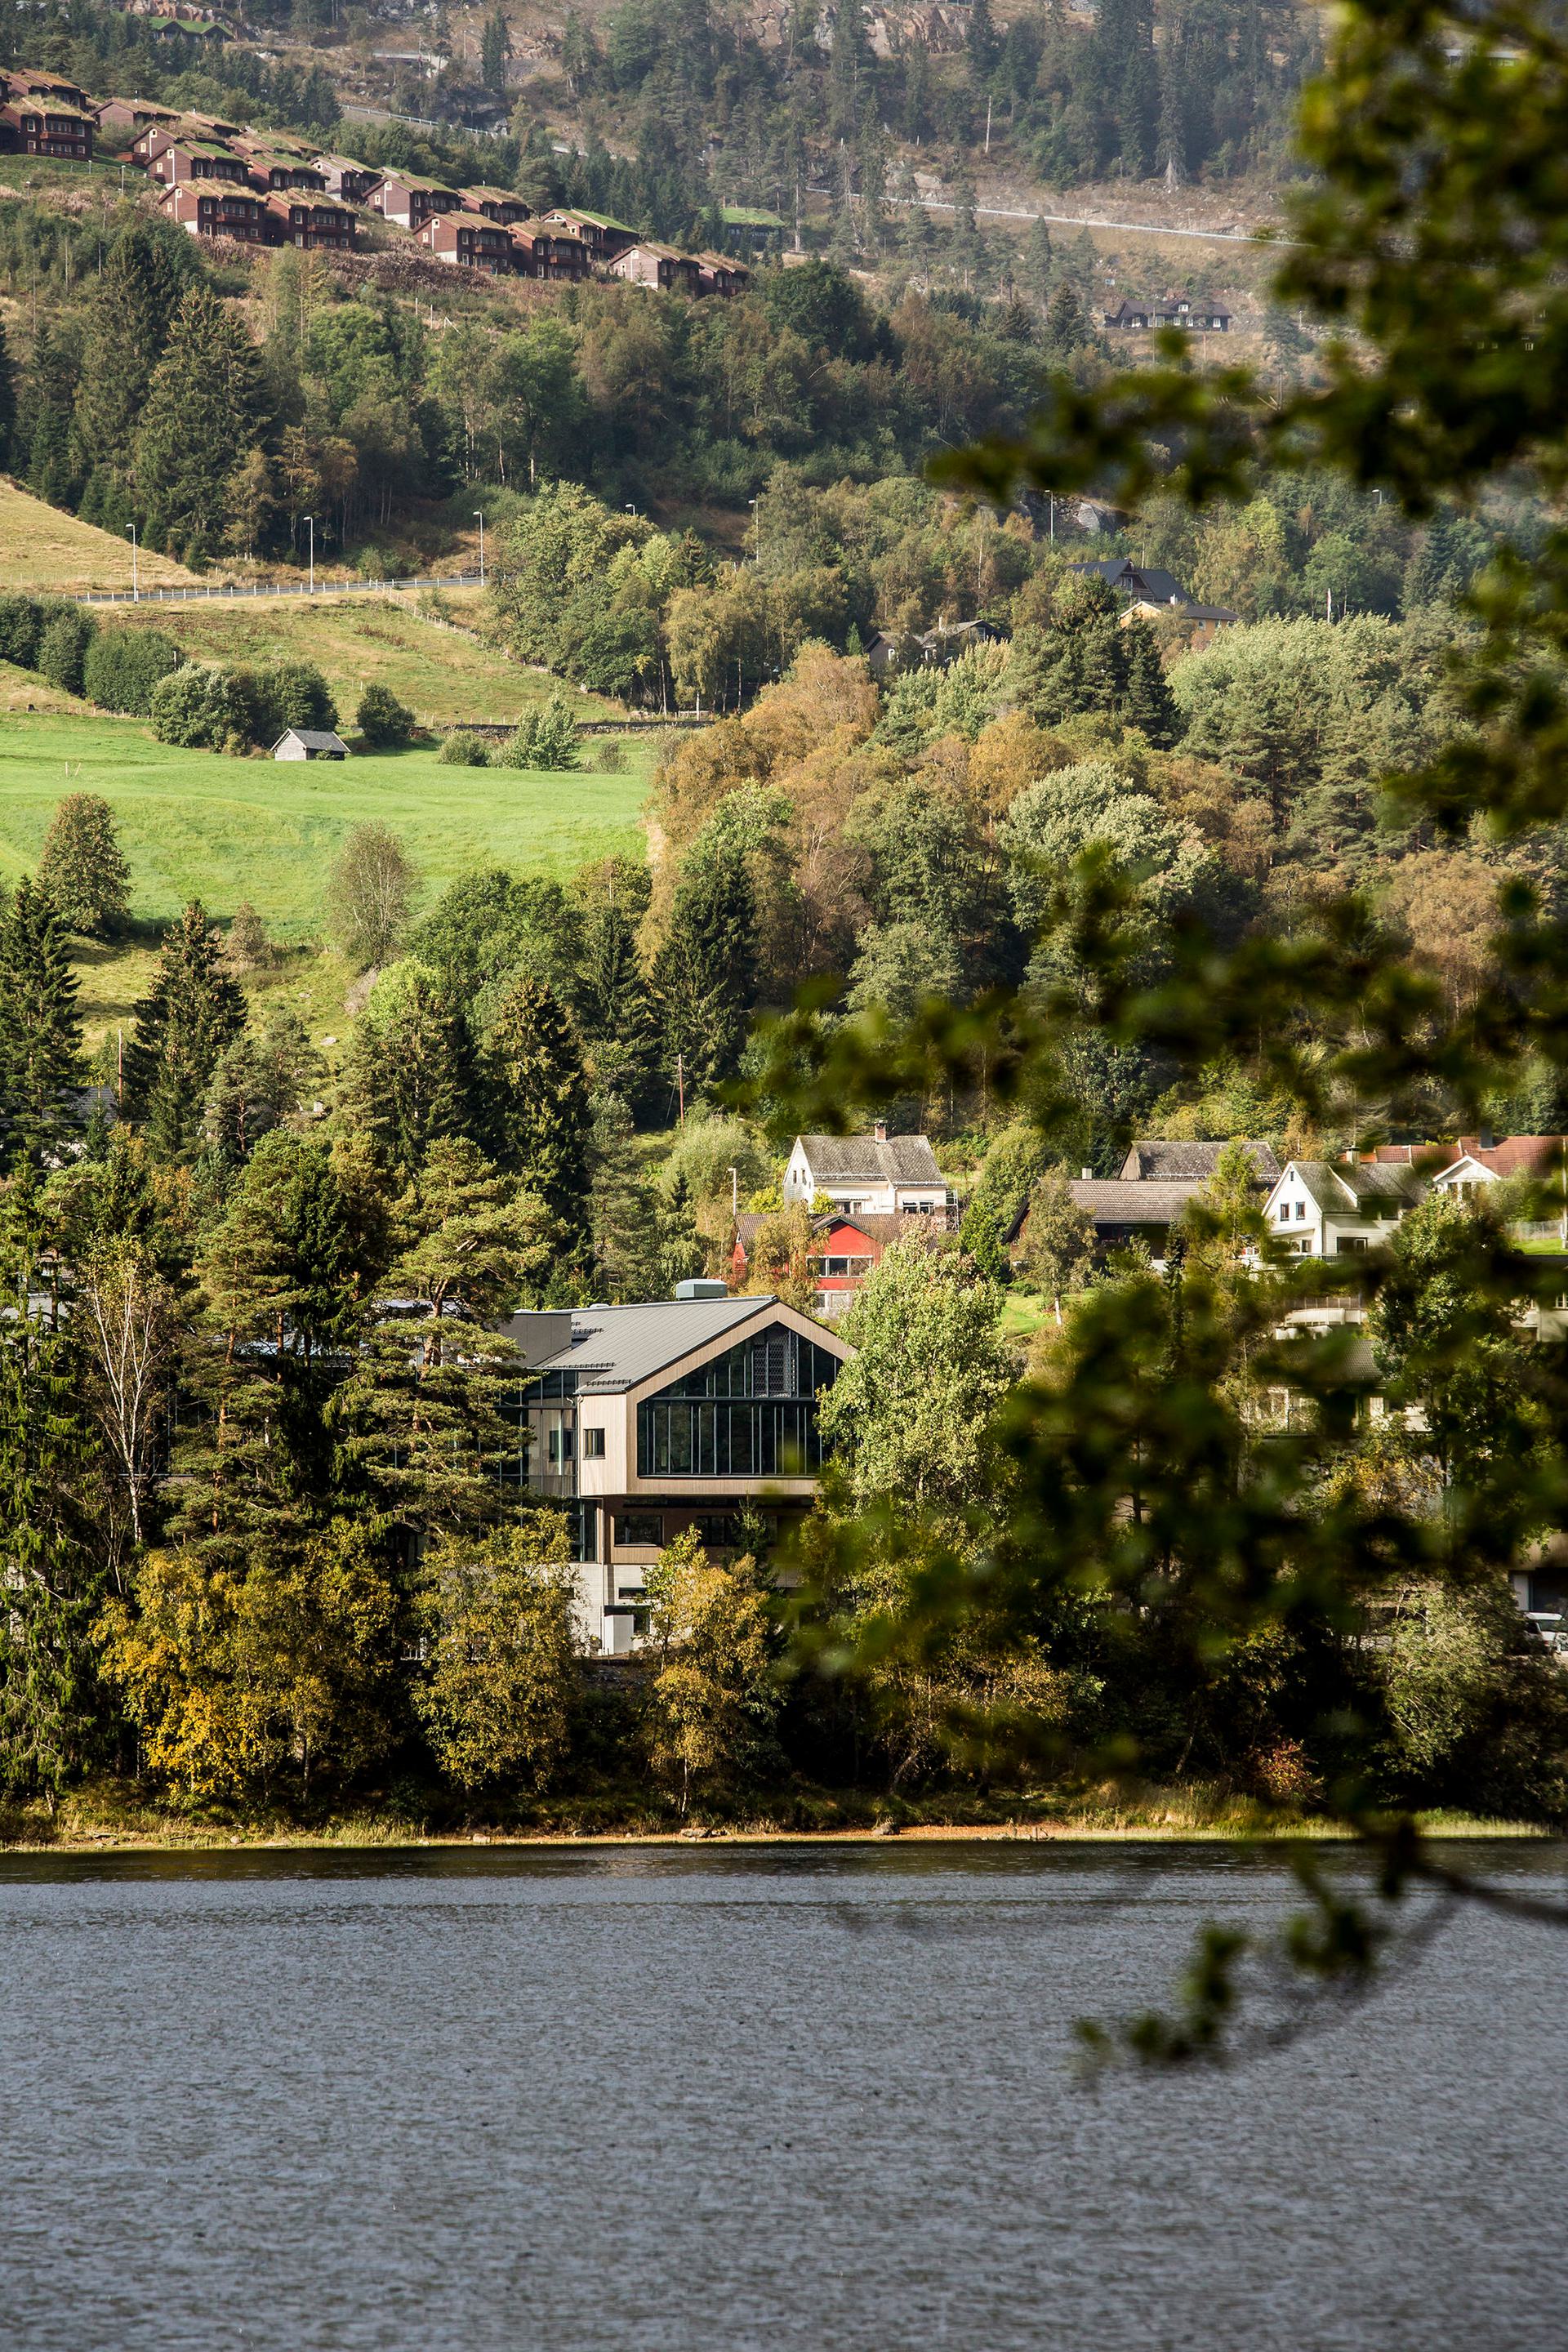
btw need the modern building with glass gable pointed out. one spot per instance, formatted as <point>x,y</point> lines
<point>642,1421</point>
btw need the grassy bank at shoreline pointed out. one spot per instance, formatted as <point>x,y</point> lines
<point>115,1818</point>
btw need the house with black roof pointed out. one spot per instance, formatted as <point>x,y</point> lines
<point>644,1420</point>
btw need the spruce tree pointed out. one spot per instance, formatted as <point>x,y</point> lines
<point>193,1010</point>
<point>410,1076</point>
<point>1148,703</point>
<point>539,1097</point>
<point>610,992</point>
<point>205,407</point>
<point>128,325</point>
<point>40,1033</point>
<point>705,975</point>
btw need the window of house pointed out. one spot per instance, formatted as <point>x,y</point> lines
<point>639,1527</point>
<point>593,1445</point>
<point>1284,1213</point>
<point>1349,1243</point>
<point>559,1448</point>
<point>1301,1211</point>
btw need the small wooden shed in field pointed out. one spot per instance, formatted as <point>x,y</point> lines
<point>309,743</point>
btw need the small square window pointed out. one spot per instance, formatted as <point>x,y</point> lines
<point>1301,1211</point>
<point>593,1445</point>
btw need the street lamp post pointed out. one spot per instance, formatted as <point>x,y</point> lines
<point>135,588</point>
<point>312,521</point>
<point>480,520</point>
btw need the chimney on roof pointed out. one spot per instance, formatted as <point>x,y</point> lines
<point>1087,1175</point>
<point>880,1130</point>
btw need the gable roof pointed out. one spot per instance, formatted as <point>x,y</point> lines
<point>1340,1187</point>
<point>1154,1157</point>
<point>1145,1201</point>
<point>614,1349</point>
<point>864,1160</point>
<point>314,739</point>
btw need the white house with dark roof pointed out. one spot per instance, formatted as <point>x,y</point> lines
<point>647,1420</point>
<point>877,1174</point>
<point>1341,1208</point>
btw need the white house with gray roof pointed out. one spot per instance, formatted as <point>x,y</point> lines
<point>1341,1208</point>
<point>644,1420</point>
<point>876,1175</point>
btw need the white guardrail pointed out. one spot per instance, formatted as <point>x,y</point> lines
<point>232,593</point>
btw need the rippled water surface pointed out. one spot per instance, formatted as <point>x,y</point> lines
<point>814,2099</point>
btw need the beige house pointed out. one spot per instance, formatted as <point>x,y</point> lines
<point>644,1420</point>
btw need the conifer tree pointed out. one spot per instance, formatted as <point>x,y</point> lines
<point>539,1097</point>
<point>261,1080</point>
<point>127,327</point>
<point>190,1014</point>
<point>705,975</point>
<point>1149,702</point>
<point>610,992</point>
<point>40,1033</point>
<point>82,867</point>
<point>205,407</point>
<point>411,1076</point>
<point>50,1584</point>
<point>495,48</point>
<point>426,1432</point>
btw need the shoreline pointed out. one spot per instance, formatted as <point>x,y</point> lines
<point>1459,1830</point>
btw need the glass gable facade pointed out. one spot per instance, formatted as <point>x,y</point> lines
<point>750,1414</point>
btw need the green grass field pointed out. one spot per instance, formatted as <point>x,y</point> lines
<point>444,675</point>
<point>195,825</point>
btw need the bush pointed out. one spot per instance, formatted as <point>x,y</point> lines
<point>82,867</point>
<point>609,755</point>
<point>201,708</point>
<point>385,723</point>
<point>546,738</point>
<point>462,749</point>
<point>62,648</point>
<point>124,665</point>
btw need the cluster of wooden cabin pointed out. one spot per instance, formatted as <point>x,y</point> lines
<point>266,187</point>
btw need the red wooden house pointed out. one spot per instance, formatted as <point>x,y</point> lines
<point>46,125</point>
<point>496,205</point>
<point>658,265</point>
<point>298,216</point>
<point>206,208</point>
<point>842,1252</point>
<point>542,251</point>
<point>469,241</point>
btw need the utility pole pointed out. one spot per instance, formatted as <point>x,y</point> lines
<point>312,521</point>
<point>480,520</point>
<point>119,1074</point>
<point>135,589</point>
<point>988,126</point>
<point>680,1084</point>
<point>735,1192</point>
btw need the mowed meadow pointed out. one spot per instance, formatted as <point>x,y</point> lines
<point>197,824</point>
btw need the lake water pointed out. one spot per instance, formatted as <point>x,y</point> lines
<point>815,2099</point>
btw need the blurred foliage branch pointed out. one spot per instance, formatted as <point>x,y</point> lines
<point>1184,1464</point>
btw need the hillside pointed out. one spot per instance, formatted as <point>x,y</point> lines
<point>196,824</point>
<point>438,667</point>
<point>43,548</point>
